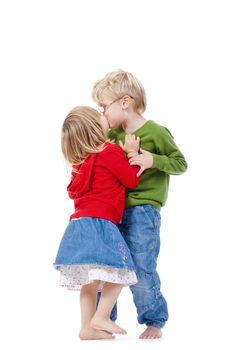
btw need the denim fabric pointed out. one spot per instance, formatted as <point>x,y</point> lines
<point>140,227</point>
<point>93,241</point>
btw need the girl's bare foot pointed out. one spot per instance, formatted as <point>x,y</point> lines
<point>106,325</point>
<point>94,334</point>
<point>151,333</point>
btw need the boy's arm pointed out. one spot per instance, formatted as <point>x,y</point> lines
<point>169,160</point>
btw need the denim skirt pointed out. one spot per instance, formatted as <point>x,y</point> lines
<point>93,249</point>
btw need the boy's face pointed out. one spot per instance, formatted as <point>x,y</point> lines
<point>113,112</point>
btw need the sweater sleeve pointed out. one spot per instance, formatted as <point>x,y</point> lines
<point>119,166</point>
<point>169,160</point>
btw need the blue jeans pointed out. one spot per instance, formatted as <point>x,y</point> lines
<point>140,227</point>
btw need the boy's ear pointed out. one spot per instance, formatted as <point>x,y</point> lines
<point>125,101</point>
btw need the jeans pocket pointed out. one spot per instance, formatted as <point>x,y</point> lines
<point>153,216</point>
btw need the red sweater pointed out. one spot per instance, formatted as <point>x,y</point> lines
<point>98,189</point>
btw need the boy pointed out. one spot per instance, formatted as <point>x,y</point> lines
<point>122,100</point>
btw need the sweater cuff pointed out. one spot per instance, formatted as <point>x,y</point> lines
<point>158,162</point>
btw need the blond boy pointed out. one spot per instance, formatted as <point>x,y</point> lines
<point>122,100</point>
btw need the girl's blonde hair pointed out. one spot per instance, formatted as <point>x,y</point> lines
<point>118,84</point>
<point>82,134</point>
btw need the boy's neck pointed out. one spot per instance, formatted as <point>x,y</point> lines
<point>133,122</point>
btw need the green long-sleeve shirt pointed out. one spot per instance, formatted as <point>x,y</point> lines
<point>167,160</point>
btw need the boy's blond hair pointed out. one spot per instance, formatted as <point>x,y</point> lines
<point>82,134</point>
<point>118,84</point>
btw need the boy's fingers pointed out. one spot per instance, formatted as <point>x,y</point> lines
<point>132,163</point>
<point>121,144</point>
<point>133,160</point>
<point>140,171</point>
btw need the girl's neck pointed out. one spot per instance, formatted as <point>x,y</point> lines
<point>133,122</point>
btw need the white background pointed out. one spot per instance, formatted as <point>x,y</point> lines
<point>51,54</point>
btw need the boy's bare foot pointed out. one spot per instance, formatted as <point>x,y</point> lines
<point>151,333</point>
<point>106,325</point>
<point>94,334</point>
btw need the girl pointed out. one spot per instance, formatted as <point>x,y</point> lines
<point>92,254</point>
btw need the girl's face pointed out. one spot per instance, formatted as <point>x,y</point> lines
<point>104,124</point>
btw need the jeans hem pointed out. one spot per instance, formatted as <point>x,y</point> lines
<point>156,324</point>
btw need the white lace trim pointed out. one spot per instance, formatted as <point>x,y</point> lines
<point>74,276</point>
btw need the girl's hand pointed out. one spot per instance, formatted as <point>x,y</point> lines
<point>131,145</point>
<point>144,160</point>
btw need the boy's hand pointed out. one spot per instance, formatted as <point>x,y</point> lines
<point>144,160</point>
<point>131,145</point>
